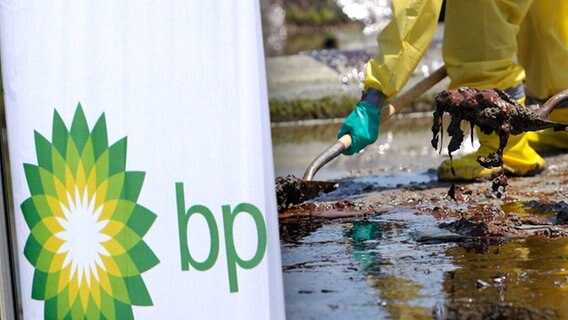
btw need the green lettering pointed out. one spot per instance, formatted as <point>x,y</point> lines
<point>233,258</point>
<point>183,221</point>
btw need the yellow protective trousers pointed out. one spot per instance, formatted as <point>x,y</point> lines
<point>487,44</point>
<point>481,49</point>
<point>543,52</point>
<point>479,45</point>
<point>501,43</point>
<point>543,47</point>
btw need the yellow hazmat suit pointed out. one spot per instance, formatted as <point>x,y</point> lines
<point>402,44</point>
<point>543,52</point>
<point>480,48</point>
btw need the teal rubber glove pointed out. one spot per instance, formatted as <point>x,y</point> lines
<point>363,123</point>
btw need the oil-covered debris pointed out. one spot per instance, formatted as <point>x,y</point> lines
<point>291,190</point>
<point>559,209</point>
<point>328,210</point>
<point>483,221</point>
<point>456,311</point>
<point>458,193</point>
<point>493,111</point>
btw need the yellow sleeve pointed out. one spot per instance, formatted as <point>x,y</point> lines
<point>402,44</point>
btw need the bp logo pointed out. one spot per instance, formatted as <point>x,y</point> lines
<point>86,227</point>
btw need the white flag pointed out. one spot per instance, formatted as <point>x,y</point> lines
<point>141,164</point>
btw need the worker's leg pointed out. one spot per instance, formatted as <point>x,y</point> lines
<point>543,52</point>
<point>479,50</point>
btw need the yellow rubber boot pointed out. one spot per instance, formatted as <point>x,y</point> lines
<point>549,140</point>
<point>519,159</point>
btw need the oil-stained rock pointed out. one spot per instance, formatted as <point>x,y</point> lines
<point>291,190</point>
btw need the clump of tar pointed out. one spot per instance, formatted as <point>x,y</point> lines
<point>492,111</point>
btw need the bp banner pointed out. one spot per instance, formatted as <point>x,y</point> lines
<point>140,159</point>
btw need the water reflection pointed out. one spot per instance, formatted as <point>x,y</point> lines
<point>395,294</point>
<point>322,281</point>
<point>364,268</point>
<point>364,236</point>
<point>530,274</point>
<point>532,208</point>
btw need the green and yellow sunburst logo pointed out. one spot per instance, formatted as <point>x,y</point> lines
<point>86,228</point>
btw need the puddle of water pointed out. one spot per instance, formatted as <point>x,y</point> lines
<point>372,268</point>
<point>322,278</point>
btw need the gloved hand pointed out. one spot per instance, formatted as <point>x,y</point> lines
<point>363,123</point>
